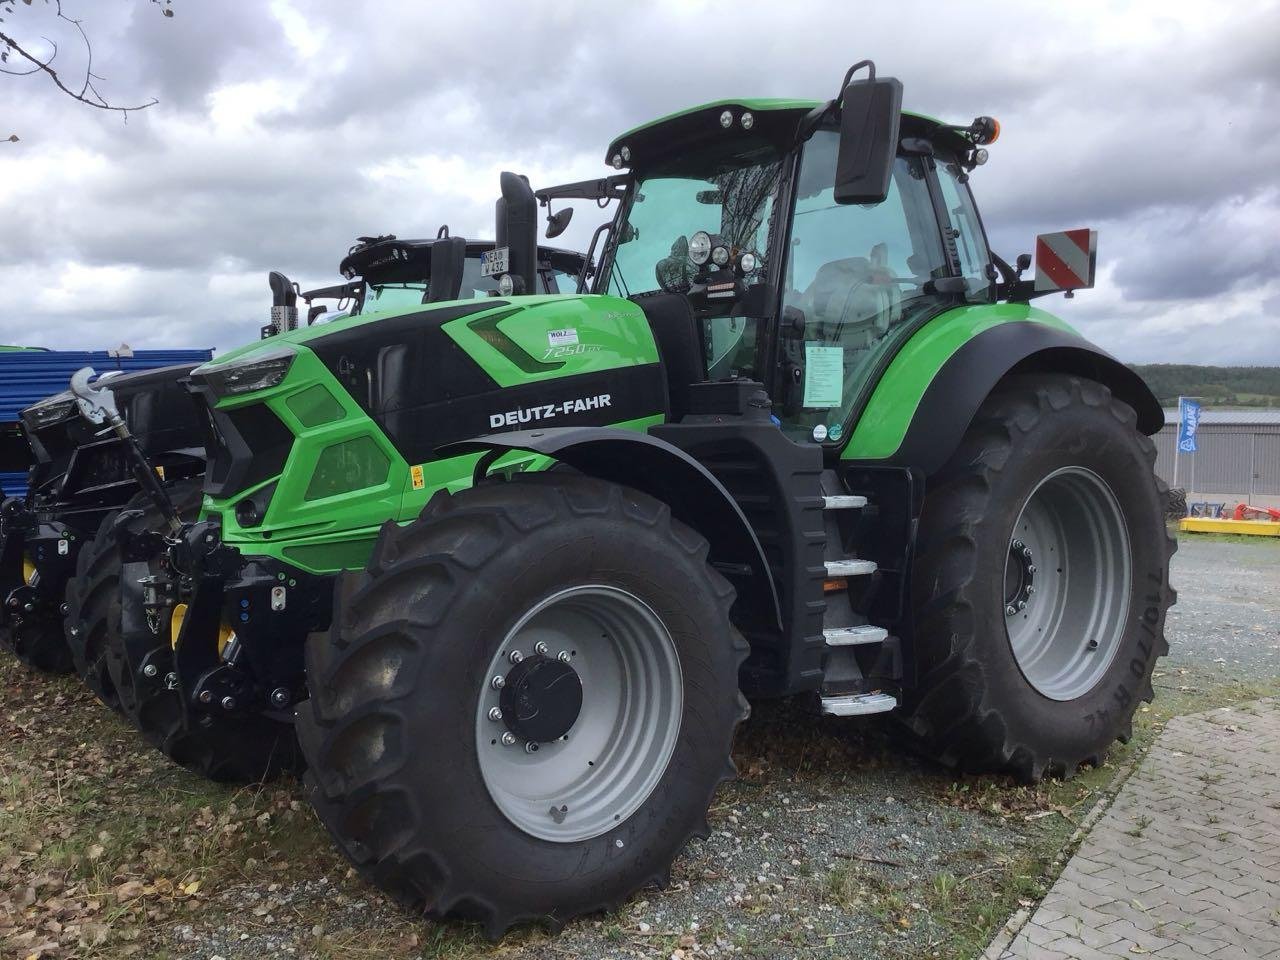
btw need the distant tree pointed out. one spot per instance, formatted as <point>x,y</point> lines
<point>84,89</point>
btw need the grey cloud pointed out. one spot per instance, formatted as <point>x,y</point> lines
<point>1158,129</point>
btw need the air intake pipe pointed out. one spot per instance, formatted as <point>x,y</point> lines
<point>517,229</point>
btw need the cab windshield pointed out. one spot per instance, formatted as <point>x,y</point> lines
<point>730,197</point>
<point>382,297</point>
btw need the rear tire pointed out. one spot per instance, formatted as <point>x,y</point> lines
<point>224,749</point>
<point>1033,662</point>
<point>400,741</point>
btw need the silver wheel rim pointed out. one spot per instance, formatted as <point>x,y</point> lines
<point>598,774</point>
<point>1066,584</point>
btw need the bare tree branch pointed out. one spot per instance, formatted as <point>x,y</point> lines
<point>88,92</point>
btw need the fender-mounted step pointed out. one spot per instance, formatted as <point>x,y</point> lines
<point>852,636</point>
<point>843,501</point>
<point>858,704</point>
<point>850,568</point>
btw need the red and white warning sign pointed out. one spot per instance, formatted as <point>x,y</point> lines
<point>1066,260</point>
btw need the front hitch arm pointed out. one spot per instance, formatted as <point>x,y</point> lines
<point>98,406</point>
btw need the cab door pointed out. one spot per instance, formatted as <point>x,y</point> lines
<point>855,279</point>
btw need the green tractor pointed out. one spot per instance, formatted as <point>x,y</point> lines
<point>513,565</point>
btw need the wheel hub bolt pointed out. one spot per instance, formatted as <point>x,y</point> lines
<point>1031,568</point>
<point>1026,552</point>
<point>516,656</point>
<point>206,696</point>
<point>495,714</point>
<point>149,670</point>
<point>1031,588</point>
<point>1022,604</point>
<point>1018,544</point>
<point>541,648</point>
<point>228,703</point>
<point>498,682</point>
<point>64,609</point>
<point>508,739</point>
<point>1010,610</point>
<point>280,697</point>
<point>530,747</point>
<point>563,656</point>
<point>171,681</point>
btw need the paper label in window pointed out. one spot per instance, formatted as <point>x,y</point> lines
<point>823,375</point>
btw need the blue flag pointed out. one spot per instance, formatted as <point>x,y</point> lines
<point>1188,422</point>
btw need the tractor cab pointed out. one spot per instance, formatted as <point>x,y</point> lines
<point>385,273</point>
<point>763,247</point>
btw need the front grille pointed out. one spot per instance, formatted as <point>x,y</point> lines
<point>246,446</point>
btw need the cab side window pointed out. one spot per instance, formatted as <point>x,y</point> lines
<point>854,275</point>
<point>971,245</point>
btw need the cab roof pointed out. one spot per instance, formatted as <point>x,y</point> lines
<point>774,122</point>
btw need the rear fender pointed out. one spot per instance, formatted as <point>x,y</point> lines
<point>665,472</point>
<point>945,402</point>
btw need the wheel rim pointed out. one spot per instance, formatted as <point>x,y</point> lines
<point>598,763</point>
<point>1066,583</point>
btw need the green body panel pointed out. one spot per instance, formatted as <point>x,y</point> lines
<point>328,533</point>
<point>611,333</point>
<point>885,419</point>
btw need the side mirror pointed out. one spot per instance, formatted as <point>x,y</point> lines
<point>558,222</point>
<point>314,312</point>
<point>871,113</point>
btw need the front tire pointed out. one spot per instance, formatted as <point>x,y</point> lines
<point>1040,583</point>
<point>409,768</point>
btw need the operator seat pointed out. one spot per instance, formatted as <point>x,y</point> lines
<point>850,303</point>
<point>680,347</point>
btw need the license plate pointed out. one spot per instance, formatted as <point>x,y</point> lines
<point>494,262</point>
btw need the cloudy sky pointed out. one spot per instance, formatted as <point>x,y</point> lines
<point>284,129</point>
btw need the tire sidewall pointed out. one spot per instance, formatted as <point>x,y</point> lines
<point>1095,439</point>
<point>464,822</point>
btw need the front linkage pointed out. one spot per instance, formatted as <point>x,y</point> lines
<point>37,555</point>
<point>236,627</point>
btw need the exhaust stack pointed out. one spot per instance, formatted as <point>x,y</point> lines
<point>517,229</point>
<point>284,305</point>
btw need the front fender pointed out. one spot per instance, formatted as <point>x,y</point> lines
<point>931,391</point>
<point>696,498</point>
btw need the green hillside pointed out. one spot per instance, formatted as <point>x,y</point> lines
<point>1220,386</point>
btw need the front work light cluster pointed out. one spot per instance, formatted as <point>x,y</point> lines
<point>702,247</point>
<point>748,120</point>
<point>235,379</point>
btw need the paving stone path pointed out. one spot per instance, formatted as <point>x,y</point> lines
<point>1185,865</point>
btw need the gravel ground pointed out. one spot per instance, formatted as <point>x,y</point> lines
<point>833,842</point>
<point>1228,610</point>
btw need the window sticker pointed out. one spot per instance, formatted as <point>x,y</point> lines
<point>823,375</point>
<point>562,338</point>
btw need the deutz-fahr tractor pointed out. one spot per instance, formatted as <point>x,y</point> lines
<point>382,273</point>
<point>513,565</point>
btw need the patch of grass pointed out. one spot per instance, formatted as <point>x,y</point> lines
<point>1140,825</point>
